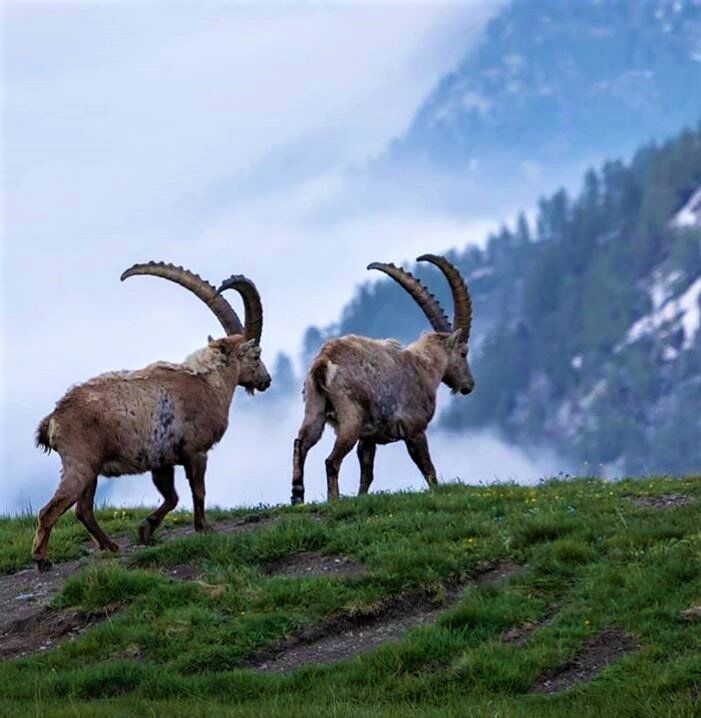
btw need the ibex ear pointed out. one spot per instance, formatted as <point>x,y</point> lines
<point>220,345</point>
<point>210,339</point>
<point>247,346</point>
<point>453,340</point>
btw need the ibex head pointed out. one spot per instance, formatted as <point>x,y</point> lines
<point>253,373</point>
<point>245,354</point>
<point>241,343</point>
<point>457,375</point>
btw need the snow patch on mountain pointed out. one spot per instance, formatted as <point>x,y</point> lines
<point>662,287</point>
<point>680,313</point>
<point>690,214</point>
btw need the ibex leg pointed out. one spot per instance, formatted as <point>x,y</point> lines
<point>366,457</point>
<point>418,450</point>
<point>74,479</point>
<point>84,512</point>
<point>309,434</point>
<point>195,470</point>
<point>164,481</point>
<point>345,441</point>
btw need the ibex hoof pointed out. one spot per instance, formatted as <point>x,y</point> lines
<point>43,564</point>
<point>205,528</point>
<point>145,532</point>
<point>110,546</point>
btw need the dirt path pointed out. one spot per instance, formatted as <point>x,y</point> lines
<point>666,501</point>
<point>308,564</point>
<point>344,636</point>
<point>27,623</point>
<point>598,652</point>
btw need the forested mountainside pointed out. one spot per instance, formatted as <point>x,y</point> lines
<point>563,81</point>
<point>586,320</point>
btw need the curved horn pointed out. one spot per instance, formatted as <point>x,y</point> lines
<point>251,302</point>
<point>223,311</point>
<point>428,303</point>
<point>462,304</point>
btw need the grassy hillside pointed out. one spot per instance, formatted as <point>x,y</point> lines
<point>514,598</point>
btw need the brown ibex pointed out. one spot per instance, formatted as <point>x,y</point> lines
<point>153,419</point>
<point>378,392</point>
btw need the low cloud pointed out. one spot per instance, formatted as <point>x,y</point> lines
<point>253,463</point>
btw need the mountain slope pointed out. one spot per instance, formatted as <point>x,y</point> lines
<point>554,83</point>
<point>587,323</point>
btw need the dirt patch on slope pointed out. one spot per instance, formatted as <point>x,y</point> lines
<point>183,572</point>
<point>608,646</point>
<point>224,526</point>
<point>691,614</point>
<point>41,630</point>
<point>667,501</point>
<point>344,636</point>
<point>25,594</point>
<point>310,564</point>
<point>518,635</point>
<point>498,573</point>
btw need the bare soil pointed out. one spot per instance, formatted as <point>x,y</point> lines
<point>691,614</point>
<point>132,653</point>
<point>26,594</point>
<point>667,501</point>
<point>310,564</point>
<point>608,646</point>
<point>41,630</point>
<point>344,636</point>
<point>183,572</point>
<point>226,526</point>
<point>27,621</point>
<point>498,573</point>
<point>518,635</point>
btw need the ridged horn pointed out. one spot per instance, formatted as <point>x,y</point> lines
<point>223,311</point>
<point>428,303</point>
<point>251,301</point>
<point>462,304</point>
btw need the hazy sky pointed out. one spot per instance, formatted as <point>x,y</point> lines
<point>228,137</point>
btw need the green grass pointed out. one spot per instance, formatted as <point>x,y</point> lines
<point>590,552</point>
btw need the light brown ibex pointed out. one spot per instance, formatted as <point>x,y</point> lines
<point>378,392</point>
<point>153,419</point>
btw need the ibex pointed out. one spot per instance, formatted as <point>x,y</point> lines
<point>153,419</point>
<point>378,392</point>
